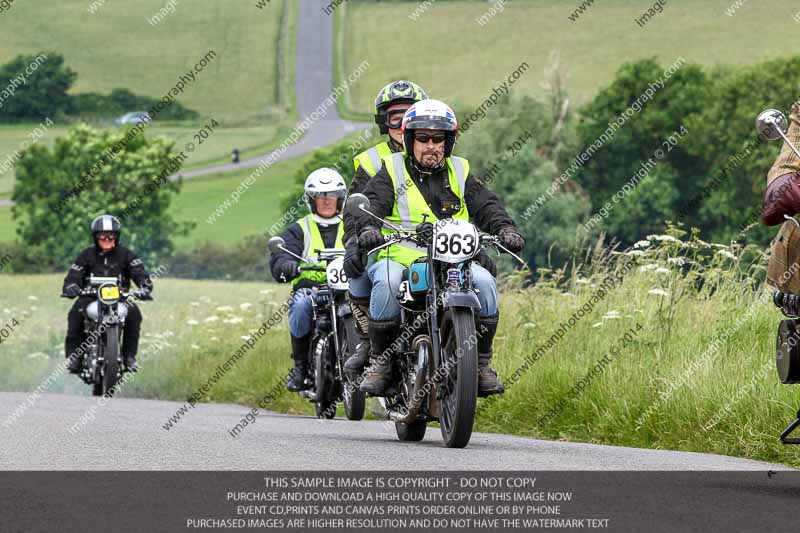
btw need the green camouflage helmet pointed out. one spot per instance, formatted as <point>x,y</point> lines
<point>397,92</point>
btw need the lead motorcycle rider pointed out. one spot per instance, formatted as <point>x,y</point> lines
<point>107,258</point>
<point>426,179</point>
<point>324,193</point>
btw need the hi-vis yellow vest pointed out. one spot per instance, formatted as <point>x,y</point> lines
<point>312,240</point>
<point>410,205</point>
<point>371,159</point>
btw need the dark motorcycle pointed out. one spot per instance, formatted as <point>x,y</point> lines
<point>102,365</point>
<point>771,125</point>
<point>435,375</point>
<point>334,338</point>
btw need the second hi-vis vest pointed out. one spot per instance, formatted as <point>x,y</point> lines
<point>371,159</point>
<point>410,205</point>
<point>312,240</point>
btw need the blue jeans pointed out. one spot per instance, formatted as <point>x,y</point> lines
<point>361,287</point>
<point>301,313</point>
<point>386,276</point>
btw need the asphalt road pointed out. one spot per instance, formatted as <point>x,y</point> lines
<point>127,434</point>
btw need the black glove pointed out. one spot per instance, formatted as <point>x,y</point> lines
<point>511,239</point>
<point>72,290</point>
<point>424,233</point>
<point>485,260</point>
<point>353,265</point>
<point>371,237</point>
<point>287,271</point>
<point>144,293</point>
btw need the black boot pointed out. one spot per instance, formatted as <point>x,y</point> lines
<point>74,364</point>
<point>358,360</point>
<point>130,363</point>
<point>485,328</point>
<point>382,333</point>
<point>297,381</point>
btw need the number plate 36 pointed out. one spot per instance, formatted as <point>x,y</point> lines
<point>454,241</point>
<point>337,279</point>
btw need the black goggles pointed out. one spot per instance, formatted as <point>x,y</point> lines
<point>394,118</point>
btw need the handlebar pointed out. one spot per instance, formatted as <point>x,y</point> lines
<point>92,291</point>
<point>312,269</point>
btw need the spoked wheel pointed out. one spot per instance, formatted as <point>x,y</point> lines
<point>323,378</point>
<point>459,388</point>
<point>413,431</point>
<point>355,400</point>
<point>111,356</point>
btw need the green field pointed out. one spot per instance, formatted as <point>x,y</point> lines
<point>687,369</point>
<point>117,47</point>
<point>213,150</point>
<point>460,61</point>
<point>256,209</point>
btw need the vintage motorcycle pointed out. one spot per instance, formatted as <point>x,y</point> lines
<point>435,375</point>
<point>771,124</point>
<point>334,338</point>
<point>102,365</point>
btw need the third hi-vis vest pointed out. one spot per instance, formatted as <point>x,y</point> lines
<point>312,240</point>
<point>371,159</point>
<point>410,205</point>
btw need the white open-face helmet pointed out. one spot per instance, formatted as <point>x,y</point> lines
<point>325,182</point>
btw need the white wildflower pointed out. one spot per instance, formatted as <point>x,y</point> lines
<point>658,292</point>
<point>195,347</point>
<point>635,253</point>
<point>214,338</point>
<point>234,320</point>
<point>726,253</point>
<point>611,314</point>
<point>676,261</point>
<point>211,319</point>
<point>581,281</point>
<point>245,306</point>
<point>528,325</point>
<point>663,238</point>
<point>641,244</point>
<point>192,322</point>
<point>645,268</point>
<point>662,270</point>
<point>195,304</point>
<point>225,308</point>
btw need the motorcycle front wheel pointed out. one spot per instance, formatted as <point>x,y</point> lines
<point>355,400</point>
<point>111,355</point>
<point>459,387</point>
<point>323,378</point>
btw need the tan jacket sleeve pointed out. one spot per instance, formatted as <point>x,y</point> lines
<point>788,162</point>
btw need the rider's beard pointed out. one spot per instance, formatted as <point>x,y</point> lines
<point>432,158</point>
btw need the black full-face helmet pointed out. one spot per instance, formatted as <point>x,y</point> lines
<point>105,224</point>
